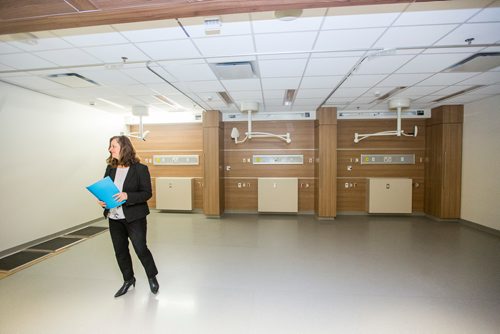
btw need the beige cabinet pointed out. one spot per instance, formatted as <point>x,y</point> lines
<point>174,193</point>
<point>278,194</point>
<point>389,195</point>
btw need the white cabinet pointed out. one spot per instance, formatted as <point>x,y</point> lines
<point>389,195</point>
<point>174,193</point>
<point>278,194</point>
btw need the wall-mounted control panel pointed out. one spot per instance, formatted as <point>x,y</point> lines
<point>387,159</point>
<point>176,160</point>
<point>290,159</point>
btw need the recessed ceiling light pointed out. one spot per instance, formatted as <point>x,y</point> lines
<point>289,97</point>
<point>461,92</point>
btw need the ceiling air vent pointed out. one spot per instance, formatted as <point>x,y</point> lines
<point>73,80</point>
<point>234,70</point>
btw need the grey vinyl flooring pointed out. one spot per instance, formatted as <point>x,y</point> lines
<point>269,274</point>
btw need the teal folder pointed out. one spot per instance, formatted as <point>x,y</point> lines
<point>104,190</point>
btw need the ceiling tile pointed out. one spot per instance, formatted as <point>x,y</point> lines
<point>41,44</point>
<point>487,78</point>
<point>109,77</point>
<point>251,95</point>
<point>408,79</point>
<point>419,90</point>
<point>6,48</point>
<point>103,38</point>
<point>169,49</point>
<point>492,89</point>
<point>273,102</point>
<point>189,72</point>
<point>151,31</point>
<point>143,75</point>
<point>241,84</point>
<point>313,93</point>
<point>347,39</point>
<point>410,18</point>
<point>273,93</point>
<point>265,22</point>
<point>114,53</point>
<point>285,42</point>
<point>135,89</point>
<point>482,33</point>
<point>280,83</point>
<point>445,79</point>
<point>329,66</point>
<point>382,64</point>
<point>488,14</point>
<point>291,55</point>
<point>357,80</point>
<point>349,92</point>
<point>282,68</point>
<point>420,36</point>
<point>321,82</point>
<point>162,88</point>
<point>337,54</point>
<point>359,21</point>
<point>228,45</point>
<point>312,102</point>
<point>431,63</point>
<point>277,108</point>
<point>24,61</point>
<point>68,57</point>
<point>205,86</point>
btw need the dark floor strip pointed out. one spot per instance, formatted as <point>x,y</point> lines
<point>56,244</point>
<point>88,231</point>
<point>20,259</point>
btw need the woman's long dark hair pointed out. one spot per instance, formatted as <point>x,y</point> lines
<point>127,153</point>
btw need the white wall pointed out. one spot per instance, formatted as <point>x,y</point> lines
<point>481,163</point>
<point>50,150</point>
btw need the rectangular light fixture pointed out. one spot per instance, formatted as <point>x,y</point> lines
<point>225,97</point>
<point>73,80</point>
<point>389,94</point>
<point>479,62</point>
<point>289,97</point>
<point>166,100</point>
<point>463,91</point>
<point>112,103</point>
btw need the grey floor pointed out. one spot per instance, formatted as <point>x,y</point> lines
<point>269,274</point>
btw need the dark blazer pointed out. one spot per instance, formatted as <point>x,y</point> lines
<point>137,185</point>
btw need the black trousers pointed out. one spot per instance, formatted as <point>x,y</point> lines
<point>121,231</point>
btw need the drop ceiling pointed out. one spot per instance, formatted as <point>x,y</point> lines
<point>345,57</point>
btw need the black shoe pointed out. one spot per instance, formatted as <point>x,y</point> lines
<point>123,290</point>
<point>153,285</point>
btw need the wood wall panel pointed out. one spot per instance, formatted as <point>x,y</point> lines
<point>354,198</point>
<point>325,171</point>
<point>164,140</point>
<point>347,128</point>
<point>444,162</point>
<point>239,158</point>
<point>170,137</point>
<point>213,186</point>
<point>301,132</point>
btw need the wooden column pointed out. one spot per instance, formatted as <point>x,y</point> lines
<point>213,146</point>
<point>325,165</point>
<point>443,170</point>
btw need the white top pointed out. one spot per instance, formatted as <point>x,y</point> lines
<point>121,174</point>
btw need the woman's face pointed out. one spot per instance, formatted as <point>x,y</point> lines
<point>114,149</point>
